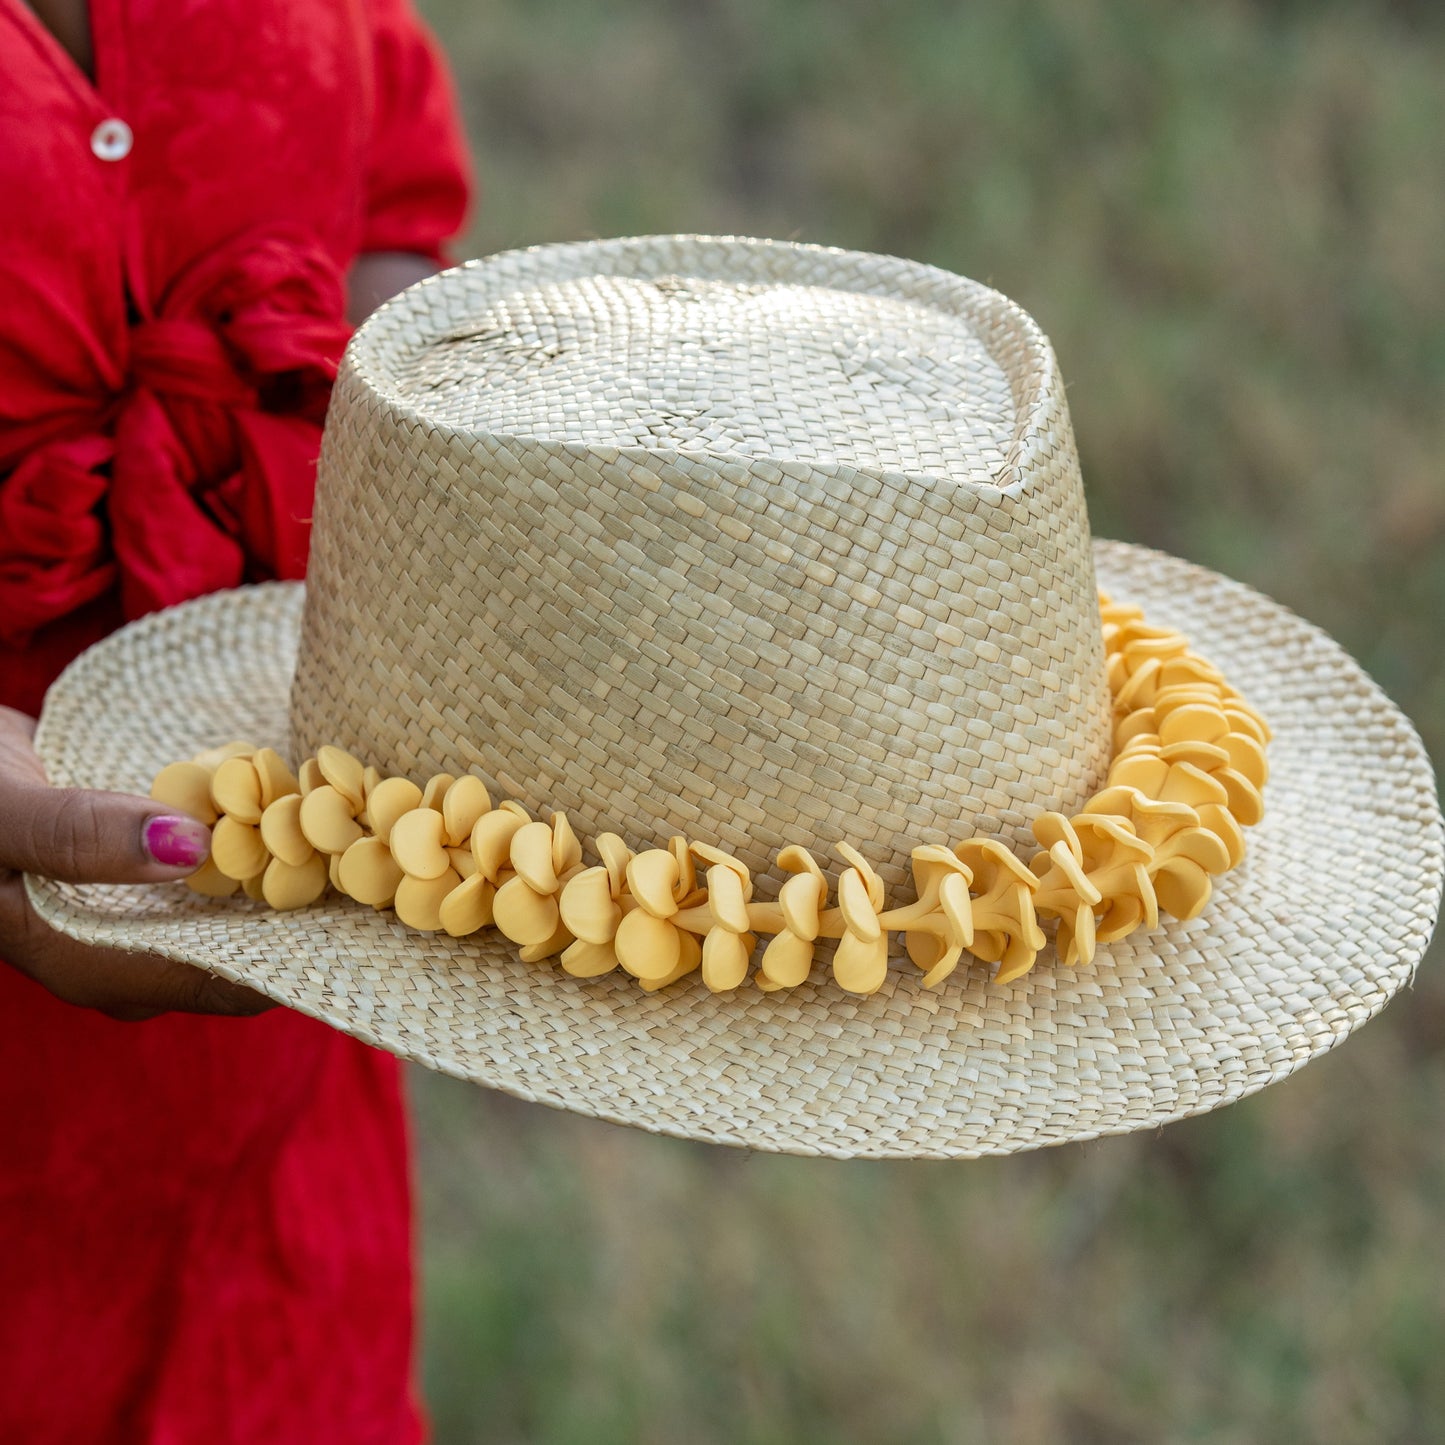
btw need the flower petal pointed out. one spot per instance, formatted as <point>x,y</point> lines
<point>523,914</point>
<point>857,907</point>
<point>468,907</point>
<point>651,878</point>
<point>418,843</point>
<point>588,908</point>
<point>419,900</point>
<point>369,874</point>
<point>531,856</point>
<point>787,960</point>
<point>724,959</point>
<point>860,965</point>
<point>648,947</point>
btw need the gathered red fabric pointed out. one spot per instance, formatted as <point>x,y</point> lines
<point>205,1222</point>
<point>196,473</point>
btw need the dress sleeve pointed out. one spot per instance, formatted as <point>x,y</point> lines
<point>418,181</point>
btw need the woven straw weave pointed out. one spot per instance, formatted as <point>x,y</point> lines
<point>761,542</point>
<point>1321,924</point>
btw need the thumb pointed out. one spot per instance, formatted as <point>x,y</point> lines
<point>85,837</point>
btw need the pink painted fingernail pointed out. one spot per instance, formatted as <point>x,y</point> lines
<point>177,842</point>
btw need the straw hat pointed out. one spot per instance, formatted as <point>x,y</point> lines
<point>764,544</point>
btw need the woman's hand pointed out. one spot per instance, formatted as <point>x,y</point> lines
<point>95,838</point>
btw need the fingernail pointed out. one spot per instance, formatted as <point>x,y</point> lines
<point>177,842</point>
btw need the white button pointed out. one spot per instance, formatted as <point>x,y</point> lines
<point>111,140</point>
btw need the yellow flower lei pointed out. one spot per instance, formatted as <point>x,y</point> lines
<point>1188,768</point>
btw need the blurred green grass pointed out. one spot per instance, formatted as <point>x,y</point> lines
<point>1231,221</point>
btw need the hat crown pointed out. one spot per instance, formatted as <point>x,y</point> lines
<point>756,542</point>
<point>777,372</point>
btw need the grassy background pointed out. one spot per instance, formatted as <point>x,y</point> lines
<point>1231,221</point>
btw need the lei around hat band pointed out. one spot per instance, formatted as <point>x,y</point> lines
<point>1188,768</point>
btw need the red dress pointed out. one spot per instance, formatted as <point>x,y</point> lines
<point>204,1223</point>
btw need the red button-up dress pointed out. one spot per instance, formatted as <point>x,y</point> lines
<point>204,1223</point>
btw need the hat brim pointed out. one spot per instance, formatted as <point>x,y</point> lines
<point>1325,919</point>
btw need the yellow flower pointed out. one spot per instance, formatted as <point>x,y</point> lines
<point>1006,930</point>
<point>1185,853</point>
<point>1195,742</point>
<point>860,962</point>
<point>591,904</point>
<point>936,941</point>
<point>1094,878</point>
<point>649,946</point>
<point>257,839</point>
<point>419,845</point>
<point>543,857</point>
<point>729,942</point>
<point>788,957</point>
<point>367,871</point>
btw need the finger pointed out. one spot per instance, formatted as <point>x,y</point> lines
<point>86,836</point>
<point>90,837</point>
<point>17,722</point>
<point>126,986</point>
